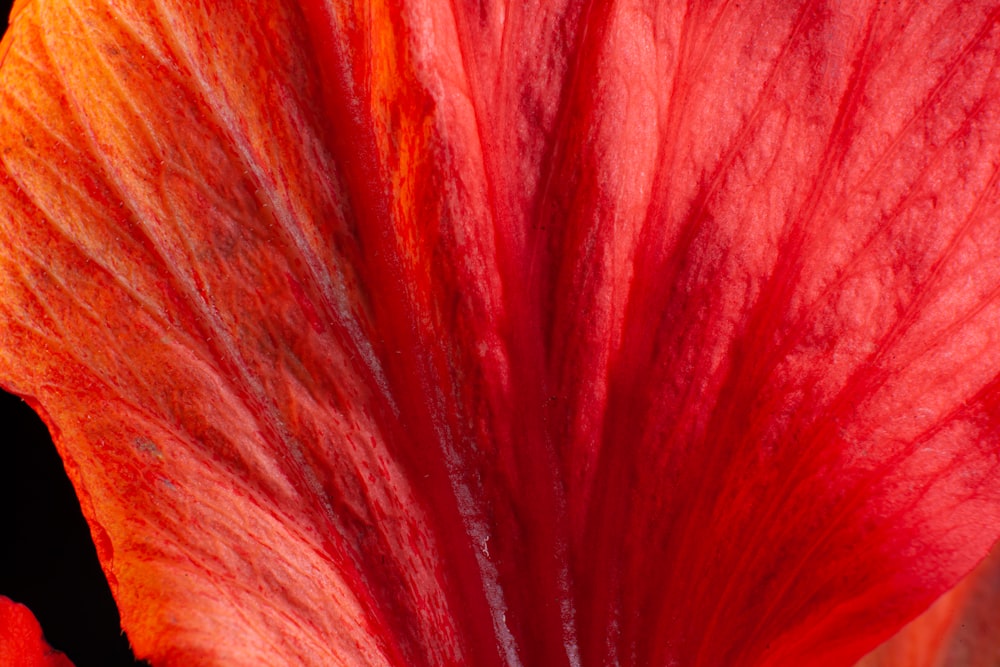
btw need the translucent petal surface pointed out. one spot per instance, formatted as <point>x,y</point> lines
<point>961,629</point>
<point>472,333</point>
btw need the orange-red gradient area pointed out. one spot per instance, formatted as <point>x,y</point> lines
<point>493,333</point>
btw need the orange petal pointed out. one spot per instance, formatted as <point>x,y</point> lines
<point>433,333</point>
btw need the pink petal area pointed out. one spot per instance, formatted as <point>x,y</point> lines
<point>21,640</point>
<point>485,334</point>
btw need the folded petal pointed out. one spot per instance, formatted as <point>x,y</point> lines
<point>962,628</point>
<point>472,333</point>
<point>21,640</point>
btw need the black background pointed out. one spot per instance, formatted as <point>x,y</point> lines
<point>47,559</point>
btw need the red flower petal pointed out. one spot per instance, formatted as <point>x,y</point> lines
<point>454,334</point>
<point>961,628</point>
<point>21,641</point>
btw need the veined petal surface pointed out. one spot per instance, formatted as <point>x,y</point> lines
<point>961,629</point>
<point>564,333</point>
